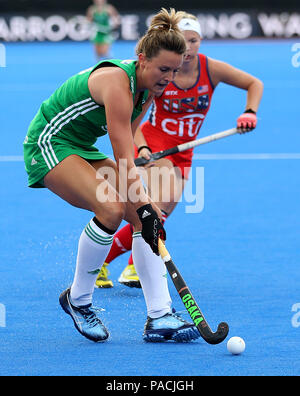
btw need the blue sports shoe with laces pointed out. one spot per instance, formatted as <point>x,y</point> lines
<point>84,318</point>
<point>170,327</point>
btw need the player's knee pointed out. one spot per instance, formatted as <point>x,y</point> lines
<point>112,214</point>
<point>166,198</point>
<point>118,211</point>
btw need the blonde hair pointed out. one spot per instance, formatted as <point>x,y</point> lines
<point>163,33</point>
<point>186,15</point>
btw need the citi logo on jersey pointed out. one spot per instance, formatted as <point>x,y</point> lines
<point>188,126</point>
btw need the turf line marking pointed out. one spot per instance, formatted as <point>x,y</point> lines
<point>203,157</point>
<point>258,156</point>
<point>11,158</point>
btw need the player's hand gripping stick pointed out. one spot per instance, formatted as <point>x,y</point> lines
<point>247,121</point>
<point>152,229</point>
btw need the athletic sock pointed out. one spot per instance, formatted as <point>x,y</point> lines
<point>130,260</point>
<point>121,244</point>
<point>93,247</point>
<point>164,218</point>
<point>152,273</point>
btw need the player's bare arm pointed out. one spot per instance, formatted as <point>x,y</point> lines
<point>89,14</point>
<point>223,72</point>
<point>139,119</point>
<point>114,14</point>
<point>110,87</point>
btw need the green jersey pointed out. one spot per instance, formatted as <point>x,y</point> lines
<point>72,114</point>
<point>102,21</point>
<point>70,121</point>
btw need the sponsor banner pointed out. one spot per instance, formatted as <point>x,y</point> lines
<point>215,25</point>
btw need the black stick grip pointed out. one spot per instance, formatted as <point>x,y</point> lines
<point>140,161</point>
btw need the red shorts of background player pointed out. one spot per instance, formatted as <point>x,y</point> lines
<point>158,142</point>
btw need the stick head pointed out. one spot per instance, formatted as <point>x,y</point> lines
<point>219,335</point>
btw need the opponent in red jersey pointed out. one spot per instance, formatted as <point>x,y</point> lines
<point>176,117</point>
<point>178,114</point>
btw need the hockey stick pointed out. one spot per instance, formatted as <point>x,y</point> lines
<point>189,302</point>
<point>185,146</point>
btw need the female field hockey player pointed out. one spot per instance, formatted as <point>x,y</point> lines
<point>176,117</point>
<point>104,18</point>
<point>60,155</point>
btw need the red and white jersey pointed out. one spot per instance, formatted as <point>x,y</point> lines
<point>178,114</point>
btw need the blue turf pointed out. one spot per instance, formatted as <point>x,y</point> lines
<point>240,256</point>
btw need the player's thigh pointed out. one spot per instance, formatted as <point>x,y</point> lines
<point>130,211</point>
<point>109,171</point>
<point>76,181</point>
<point>165,183</point>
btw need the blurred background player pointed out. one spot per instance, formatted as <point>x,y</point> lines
<point>104,18</point>
<point>187,97</point>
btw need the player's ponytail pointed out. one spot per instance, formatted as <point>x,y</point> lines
<point>163,33</point>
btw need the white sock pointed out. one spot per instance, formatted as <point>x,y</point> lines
<point>153,277</point>
<point>93,248</point>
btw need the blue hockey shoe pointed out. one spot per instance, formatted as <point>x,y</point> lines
<point>170,327</point>
<point>84,318</point>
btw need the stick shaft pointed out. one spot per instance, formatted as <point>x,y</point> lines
<point>186,146</point>
<point>190,303</point>
<point>207,139</point>
<point>181,286</point>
